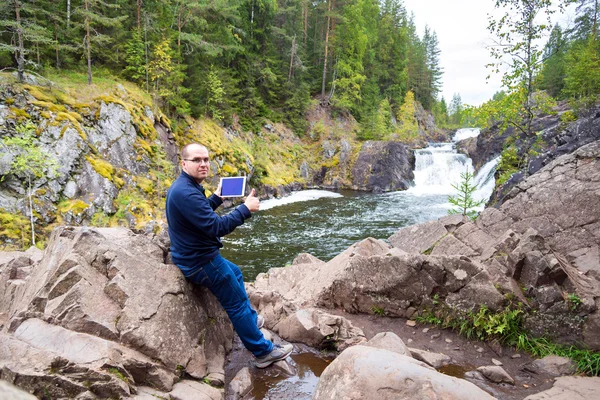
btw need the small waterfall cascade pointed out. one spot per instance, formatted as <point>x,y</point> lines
<point>439,166</point>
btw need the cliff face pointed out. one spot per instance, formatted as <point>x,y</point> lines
<point>108,157</point>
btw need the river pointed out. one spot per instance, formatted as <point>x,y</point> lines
<point>325,223</point>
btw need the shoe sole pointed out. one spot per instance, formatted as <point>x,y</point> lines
<point>265,364</point>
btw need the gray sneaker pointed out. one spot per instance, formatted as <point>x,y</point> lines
<point>278,353</point>
<point>260,321</point>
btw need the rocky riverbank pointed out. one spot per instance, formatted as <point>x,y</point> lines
<point>147,332</point>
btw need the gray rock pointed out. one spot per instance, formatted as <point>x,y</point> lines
<point>317,328</point>
<point>383,167</point>
<point>416,239</point>
<point>554,365</point>
<point>388,341</point>
<point>571,388</point>
<point>436,360</point>
<point>241,384</point>
<point>194,390</point>
<point>8,391</point>
<point>496,374</point>
<point>107,290</point>
<point>362,372</point>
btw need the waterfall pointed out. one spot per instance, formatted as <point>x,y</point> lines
<point>439,166</point>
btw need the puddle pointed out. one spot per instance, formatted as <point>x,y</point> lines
<point>273,383</point>
<point>457,371</point>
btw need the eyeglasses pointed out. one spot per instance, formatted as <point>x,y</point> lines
<point>198,160</point>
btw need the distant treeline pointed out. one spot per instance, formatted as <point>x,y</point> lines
<point>258,59</point>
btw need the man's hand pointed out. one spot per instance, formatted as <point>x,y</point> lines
<point>218,191</point>
<point>252,202</point>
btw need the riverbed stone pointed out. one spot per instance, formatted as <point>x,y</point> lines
<point>553,365</point>
<point>241,384</point>
<point>435,360</point>
<point>571,388</point>
<point>388,341</point>
<point>362,372</point>
<point>496,374</point>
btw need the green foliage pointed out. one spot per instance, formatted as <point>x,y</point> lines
<point>378,311</point>
<point>509,164</point>
<point>463,202</point>
<point>573,300</point>
<point>507,326</point>
<point>135,57</point>
<point>408,127</point>
<point>582,72</point>
<point>517,32</point>
<point>29,162</point>
<point>215,94</point>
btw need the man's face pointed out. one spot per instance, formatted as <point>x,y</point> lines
<point>196,164</point>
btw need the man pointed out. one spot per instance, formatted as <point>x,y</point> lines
<point>195,231</point>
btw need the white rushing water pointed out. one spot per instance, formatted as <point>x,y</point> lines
<point>465,133</point>
<point>303,195</point>
<point>439,166</point>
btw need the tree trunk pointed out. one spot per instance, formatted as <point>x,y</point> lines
<point>68,13</point>
<point>56,44</point>
<point>326,50</point>
<point>292,55</point>
<point>305,19</point>
<point>31,211</point>
<point>20,56</point>
<point>88,44</point>
<point>139,4</point>
<point>146,52</point>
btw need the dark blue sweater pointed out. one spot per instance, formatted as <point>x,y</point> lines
<point>194,228</point>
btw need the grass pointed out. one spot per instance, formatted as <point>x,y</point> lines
<point>507,326</point>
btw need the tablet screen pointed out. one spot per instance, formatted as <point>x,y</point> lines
<point>233,186</point>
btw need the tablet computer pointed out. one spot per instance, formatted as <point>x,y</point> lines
<point>233,186</point>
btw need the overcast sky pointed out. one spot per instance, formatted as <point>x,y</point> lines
<point>461,27</point>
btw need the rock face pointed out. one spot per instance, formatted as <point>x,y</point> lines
<point>383,167</point>
<point>98,147</point>
<point>361,372</point>
<point>101,312</point>
<point>541,246</point>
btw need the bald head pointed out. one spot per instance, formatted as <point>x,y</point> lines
<point>185,152</point>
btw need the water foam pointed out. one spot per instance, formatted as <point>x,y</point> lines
<point>303,195</point>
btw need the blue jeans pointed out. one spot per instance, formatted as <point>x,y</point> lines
<point>224,279</point>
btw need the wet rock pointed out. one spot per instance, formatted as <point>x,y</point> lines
<point>383,167</point>
<point>365,373</point>
<point>571,388</point>
<point>496,374</point>
<point>241,384</point>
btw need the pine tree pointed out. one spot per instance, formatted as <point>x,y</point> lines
<point>91,18</point>
<point>463,202</point>
<point>19,19</point>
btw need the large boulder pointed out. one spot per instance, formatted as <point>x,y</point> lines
<point>362,372</point>
<point>108,291</point>
<point>383,167</point>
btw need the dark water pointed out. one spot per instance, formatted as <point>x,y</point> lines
<point>272,383</point>
<point>325,227</point>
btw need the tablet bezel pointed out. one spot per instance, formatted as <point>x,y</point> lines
<point>243,178</point>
